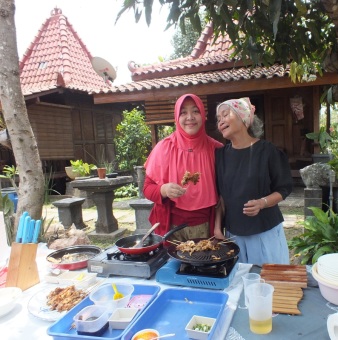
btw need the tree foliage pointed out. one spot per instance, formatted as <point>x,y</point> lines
<point>184,43</point>
<point>132,141</point>
<point>262,31</point>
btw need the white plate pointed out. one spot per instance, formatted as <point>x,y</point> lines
<point>38,307</point>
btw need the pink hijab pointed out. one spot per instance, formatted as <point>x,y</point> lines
<point>181,152</point>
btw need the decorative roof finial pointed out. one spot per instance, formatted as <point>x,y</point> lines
<point>56,11</point>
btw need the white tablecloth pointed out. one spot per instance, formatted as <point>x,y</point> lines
<point>19,324</point>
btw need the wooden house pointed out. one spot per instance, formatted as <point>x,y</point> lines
<point>57,79</point>
<point>289,110</point>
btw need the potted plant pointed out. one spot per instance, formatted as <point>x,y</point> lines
<point>79,169</point>
<point>110,169</point>
<point>323,139</point>
<point>320,236</point>
<point>101,172</point>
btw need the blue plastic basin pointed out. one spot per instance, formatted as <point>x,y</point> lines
<point>12,195</point>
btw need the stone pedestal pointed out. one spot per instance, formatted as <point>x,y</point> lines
<point>102,193</point>
<point>140,173</point>
<point>142,209</point>
<point>312,198</point>
<point>70,211</point>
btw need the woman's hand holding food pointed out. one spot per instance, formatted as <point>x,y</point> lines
<point>172,190</point>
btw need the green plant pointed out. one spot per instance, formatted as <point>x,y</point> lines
<point>10,172</point>
<point>7,206</point>
<point>82,168</point>
<point>334,166</point>
<point>45,225</point>
<point>132,141</point>
<point>322,137</point>
<point>47,189</point>
<point>320,236</point>
<point>126,191</point>
<point>110,166</point>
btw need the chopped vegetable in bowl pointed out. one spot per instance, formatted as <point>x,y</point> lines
<point>202,327</point>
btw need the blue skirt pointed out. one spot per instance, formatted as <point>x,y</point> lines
<point>267,247</point>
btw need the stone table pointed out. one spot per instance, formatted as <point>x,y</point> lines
<point>102,193</point>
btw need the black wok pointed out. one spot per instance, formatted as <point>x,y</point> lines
<point>152,242</point>
<point>226,252</point>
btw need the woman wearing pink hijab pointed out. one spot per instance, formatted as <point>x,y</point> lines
<point>253,176</point>
<point>189,148</point>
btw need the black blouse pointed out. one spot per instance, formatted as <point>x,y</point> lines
<point>247,174</point>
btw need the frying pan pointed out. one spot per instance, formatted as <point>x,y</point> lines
<point>152,242</point>
<point>87,250</point>
<point>225,252</point>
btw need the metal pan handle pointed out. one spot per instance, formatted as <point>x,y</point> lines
<point>172,231</point>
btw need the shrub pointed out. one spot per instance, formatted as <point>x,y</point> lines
<point>127,191</point>
<point>132,141</point>
<point>320,236</point>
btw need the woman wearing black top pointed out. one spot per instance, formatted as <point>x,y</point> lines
<point>253,176</point>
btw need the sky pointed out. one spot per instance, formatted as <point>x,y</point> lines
<point>94,22</point>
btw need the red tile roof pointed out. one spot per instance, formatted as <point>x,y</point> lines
<point>56,58</point>
<point>225,75</point>
<point>209,62</point>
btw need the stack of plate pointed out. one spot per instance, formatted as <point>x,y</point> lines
<point>327,267</point>
<point>328,289</point>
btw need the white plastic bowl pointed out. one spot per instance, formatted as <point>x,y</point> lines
<point>8,299</point>
<point>121,317</point>
<point>103,296</point>
<point>196,334</point>
<point>328,289</point>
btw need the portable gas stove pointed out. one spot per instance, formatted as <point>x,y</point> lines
<point>177,273</point>
<point>113,262</point>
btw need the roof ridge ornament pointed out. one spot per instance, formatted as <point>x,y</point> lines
<point>56,11</point>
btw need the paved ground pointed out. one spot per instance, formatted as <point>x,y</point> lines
<point>126,215</point>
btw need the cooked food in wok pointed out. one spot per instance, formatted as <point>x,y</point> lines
<point>70,258</point>
<point>191,246</point>
<point>190,177</point>
<point>64,299</point>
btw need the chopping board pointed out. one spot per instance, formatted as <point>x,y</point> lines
<point>288,281</point>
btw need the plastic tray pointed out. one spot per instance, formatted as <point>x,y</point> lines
<point>62,329</point>
<point>173,308</point>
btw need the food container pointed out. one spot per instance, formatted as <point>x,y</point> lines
<point>8,298</point>
<point>199,327</point>
<point>62,330</point>
<point>328,289</point>
<point>103,296</point>
<point>79,279</point>
<point>146,334</point>
<point>177,306</point>
<point>121,317</point>
<point>91,320</point>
